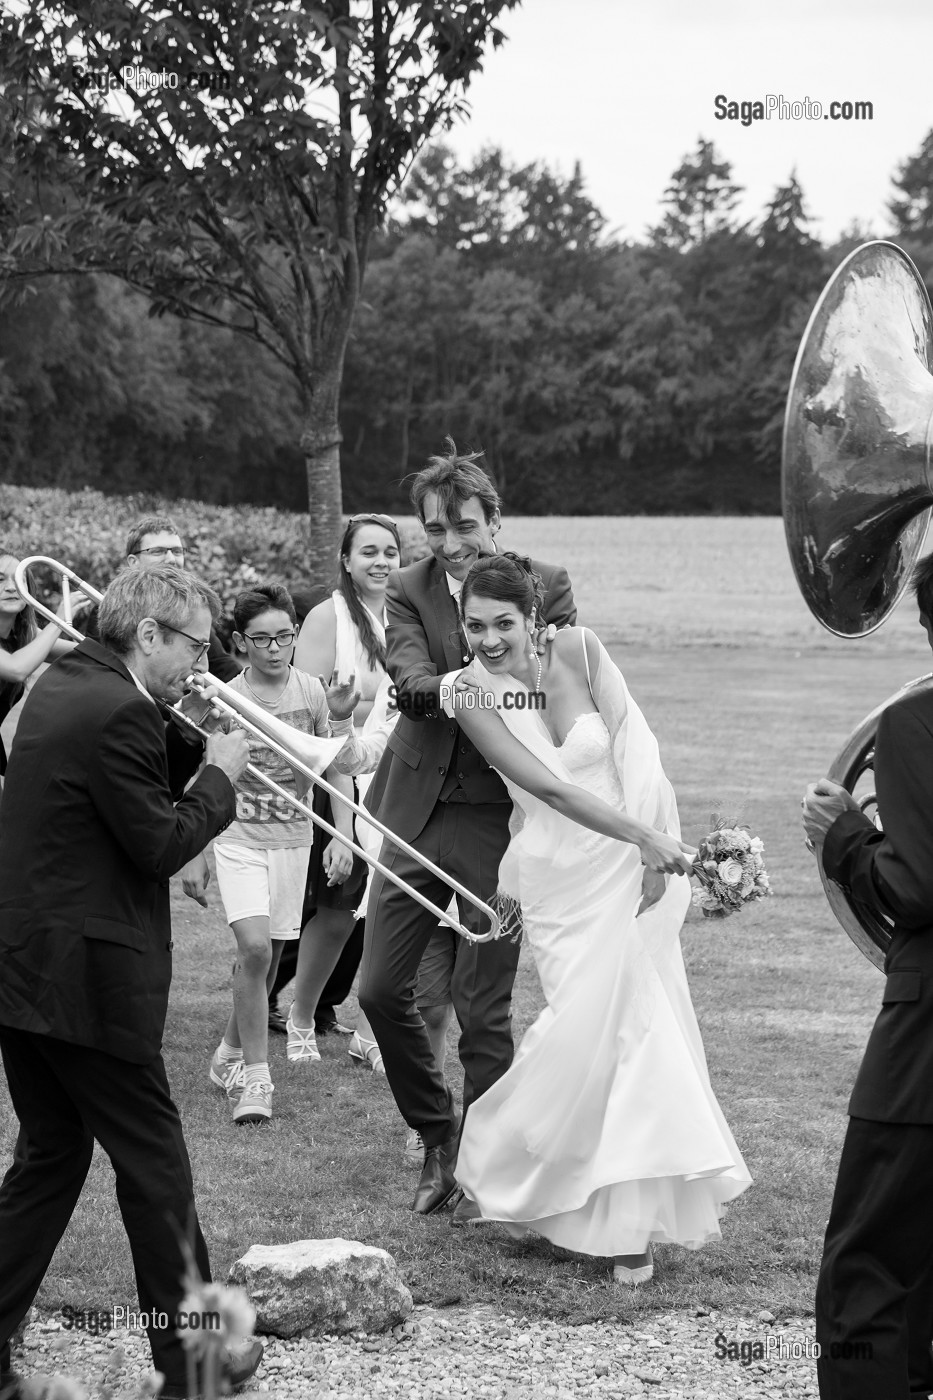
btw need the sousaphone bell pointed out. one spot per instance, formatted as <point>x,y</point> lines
<point>856,490</point>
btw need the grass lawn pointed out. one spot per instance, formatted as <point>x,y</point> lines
<point>784,1000</point>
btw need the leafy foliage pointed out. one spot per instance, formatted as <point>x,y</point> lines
<point>87,531</point>
<point>598,376</point>
<point>229,160</point>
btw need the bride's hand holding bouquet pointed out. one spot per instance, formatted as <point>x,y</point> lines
<point>665,854</point>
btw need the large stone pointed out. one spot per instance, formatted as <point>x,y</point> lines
<point>322,1286</point>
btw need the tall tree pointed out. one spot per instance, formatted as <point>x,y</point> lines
<point>229,160</point>
<point>912,207</point>
<point>699,200</point>
<point>787,273</point>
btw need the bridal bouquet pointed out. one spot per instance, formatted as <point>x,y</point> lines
<point>730,870</point>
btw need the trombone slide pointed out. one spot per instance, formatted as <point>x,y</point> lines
<point>284,740</point>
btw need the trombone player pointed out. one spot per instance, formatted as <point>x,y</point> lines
<point>874,1300</point>
<point>94,821</point>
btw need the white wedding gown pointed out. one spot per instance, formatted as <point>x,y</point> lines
<point>605,1133</point>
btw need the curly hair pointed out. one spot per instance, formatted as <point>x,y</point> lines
<point>508,578</point>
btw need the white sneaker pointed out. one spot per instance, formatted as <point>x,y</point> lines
<point>255,1103</point>
<point>227,1075</point>
<point>414,1148</point>
<point>302,1045</point>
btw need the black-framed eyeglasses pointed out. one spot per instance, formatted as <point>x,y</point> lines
<point>263,642</point>
<point>201,646</point>
<point>159,551</point>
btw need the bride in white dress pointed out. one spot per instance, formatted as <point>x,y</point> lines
<point>605,1134</point>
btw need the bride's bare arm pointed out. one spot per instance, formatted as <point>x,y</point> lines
<point>501,749</point>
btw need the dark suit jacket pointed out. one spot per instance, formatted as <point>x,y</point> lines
<point>893,872</point>
<point>89,836</point>
<point>423,641</point>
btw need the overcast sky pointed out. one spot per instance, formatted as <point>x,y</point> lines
<point>628,88</point>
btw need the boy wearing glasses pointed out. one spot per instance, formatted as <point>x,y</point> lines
<point>262,859</point>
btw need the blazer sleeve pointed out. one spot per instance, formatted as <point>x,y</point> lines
<point>892,870</point>
<point>408,656</point>
<point>559,606</point>
<point>128,787</point>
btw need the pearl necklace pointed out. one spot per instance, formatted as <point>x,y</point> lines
<point>538,678</point>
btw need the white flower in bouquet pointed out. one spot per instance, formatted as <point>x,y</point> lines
<point>730,872</point>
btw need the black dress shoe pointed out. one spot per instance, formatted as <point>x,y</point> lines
<point>438,1183</point>
<point>331,1026</point>
<point>277,1021</point>
<point>236,1368</point>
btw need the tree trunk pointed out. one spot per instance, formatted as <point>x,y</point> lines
<point>320,443</point>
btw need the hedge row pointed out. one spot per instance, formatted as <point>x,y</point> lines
<point>231,547</point>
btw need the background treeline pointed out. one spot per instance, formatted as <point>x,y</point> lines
<point>599,376</point>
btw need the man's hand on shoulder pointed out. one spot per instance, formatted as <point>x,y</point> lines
<point>823,802</point>
<point>544,635</point>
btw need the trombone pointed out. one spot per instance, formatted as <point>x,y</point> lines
<point>300,751</point>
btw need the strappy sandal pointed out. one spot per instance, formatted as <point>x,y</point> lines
<point>302,1045</point>
<point>366,1054</point>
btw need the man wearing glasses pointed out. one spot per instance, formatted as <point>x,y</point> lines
<point>95,820</point>
<point>154,540</point>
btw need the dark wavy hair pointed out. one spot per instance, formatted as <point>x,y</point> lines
<point>259,600</point>
<point>24,626</point>
<point>507,578</point>
<point>374,648</point>
<point>455,478</point>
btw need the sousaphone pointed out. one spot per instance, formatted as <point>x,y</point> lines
<point>856,489</point>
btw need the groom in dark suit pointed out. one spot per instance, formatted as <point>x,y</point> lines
<point>442,797</point>
<point>874,1301</point>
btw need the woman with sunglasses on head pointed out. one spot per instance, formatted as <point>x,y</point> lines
<point>343,640</point>
<point>24,647</point>
<point>262,857</point>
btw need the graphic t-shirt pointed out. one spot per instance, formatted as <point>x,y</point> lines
<point>263,818</point>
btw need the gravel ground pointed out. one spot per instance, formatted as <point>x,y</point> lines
<point>467,1353</point>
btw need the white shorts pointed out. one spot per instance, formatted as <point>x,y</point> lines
<point>259,883</point>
